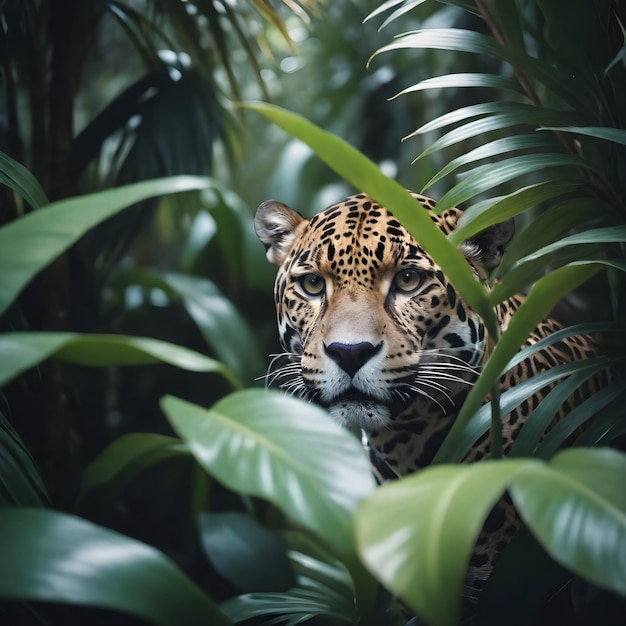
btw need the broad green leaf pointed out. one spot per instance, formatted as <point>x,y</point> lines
<point>577,510</point>
<point>359,171</point>
<point>323,588</point>
<point>268,445</point>
<point>21,351</point>
<point>222,326</point>
<point>15,176</point>
<point>480,216</point>
<point>486,177</point>
<point>20,482</point>
<point>248,555</point>
<point>127,457</point>
<point>465,79</point>
<point>416,534</point>
<point>491,149</point>
<point>53,557</point>
<point>616,135</point>
<point>540,301</point>
<point>30,243</point>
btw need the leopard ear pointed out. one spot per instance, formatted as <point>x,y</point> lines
<point>276,224</point>
<point>484,250</point>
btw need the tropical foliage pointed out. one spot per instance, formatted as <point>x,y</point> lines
<point>122,494</point>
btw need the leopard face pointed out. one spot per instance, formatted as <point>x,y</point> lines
<point>368,321</point>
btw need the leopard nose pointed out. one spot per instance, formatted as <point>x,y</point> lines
<point>351,357</point>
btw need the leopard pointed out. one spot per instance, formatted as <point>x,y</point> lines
<point>373,331</point>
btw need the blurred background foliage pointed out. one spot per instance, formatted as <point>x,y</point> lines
<point>104,93</point>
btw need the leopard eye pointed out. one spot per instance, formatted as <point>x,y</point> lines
<point>311,284</point>
<point>407,280</point>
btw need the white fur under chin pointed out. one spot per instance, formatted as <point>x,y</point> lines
<point>366,416</point>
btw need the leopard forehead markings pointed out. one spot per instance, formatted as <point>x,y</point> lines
<point>364,347</point>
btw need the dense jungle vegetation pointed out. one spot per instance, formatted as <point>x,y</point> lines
<point>146,475</point>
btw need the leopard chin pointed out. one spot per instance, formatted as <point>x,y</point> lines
<point>365,415</point>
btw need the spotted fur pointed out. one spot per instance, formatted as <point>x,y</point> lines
<point>373,330</point>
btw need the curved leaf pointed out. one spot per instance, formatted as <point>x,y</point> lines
<point>458,40</point>
<point>540,301</point>
<point>15,176</point>
<point>481,420</point>
<point>53,557</point>
<point>511,116</point>
<point>548,227</point>
<point>490,149</point>
<point>30,243</point>
<point>608,234</point>
<point>616,135</point>
<point>367,177</point>
<point>20,482</point>
<point>250,556</point>
<point>25,350</point>
<point>416,534</point>
<point>467,112</point>
<point>577,510</point>
<point>486,177</point>
<point>268,445</point>
<point>578,417</point>
<point>222,326</point>
<point>128,456</point>
<point>465,79</point>
<point>484,214</point>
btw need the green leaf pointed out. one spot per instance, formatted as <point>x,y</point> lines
<point>250,556</point>
<point>20,482</point>
<point>525,273</point>
<point>268,445</point>
<point>473,110</point>
<point>608,234</point>
<point>561,83</point>
<point>30,243</point>
<point>416,534</point>
<point>25,350</point>
<point>490,149</point>
<point>15,176</point>
<point>366,176</point>
<point>486,177</point>
<point>484,214</point>
<point>578,417</point>
<point>127,457</point>
<point>512,115</point>
<point>549,227</point>
<point>577,510</point>
<point>222,326</point>
<point>480,422</point>
<point>539,420</point>
<point>540,301</point>
<point>53,557</point>
<point>465,79</point>
<point>323,587</point>
<point>616,135</point>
